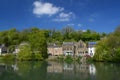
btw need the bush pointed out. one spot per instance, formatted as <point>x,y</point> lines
<point>89,59</point>
<point>25,53</point>
<point>68,59</point>
<point>38,56</point>
<point>8,57</point>
<point>78,59</point>
<point>61,57</point>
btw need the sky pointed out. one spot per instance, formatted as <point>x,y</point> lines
<point>97,15</point>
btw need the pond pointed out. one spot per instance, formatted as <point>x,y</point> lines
<point>59,71</point>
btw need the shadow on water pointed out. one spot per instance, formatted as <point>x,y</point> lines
<point>52,70</point>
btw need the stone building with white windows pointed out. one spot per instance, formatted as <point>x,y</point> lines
<point>68,48</point>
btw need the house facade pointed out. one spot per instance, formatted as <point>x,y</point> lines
<point>74,48</point>
<point>91,48</point>
<point>68,48</point>
<point>54,50</point>
<point>81,48</point>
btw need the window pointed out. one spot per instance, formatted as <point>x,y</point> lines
<point>91,51</point>
<point>81,45</point>
<point>91,54</point>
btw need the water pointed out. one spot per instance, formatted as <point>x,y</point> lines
<point>58,71</point>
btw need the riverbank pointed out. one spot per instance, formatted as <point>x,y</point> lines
<point>70,59</point>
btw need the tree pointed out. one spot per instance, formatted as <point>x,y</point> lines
<point>25,53</point>
<point>38,43</point>
<point>108,49</point>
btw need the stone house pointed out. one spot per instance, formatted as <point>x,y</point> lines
<point>54,50</point>
<point>74,48</point>
<point>80,48</point>
<point>68,48</point>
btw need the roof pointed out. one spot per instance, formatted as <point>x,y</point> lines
<point>53,45</point>
<point>2,46</point>
<point>92,43</point>
<point>68,43</point>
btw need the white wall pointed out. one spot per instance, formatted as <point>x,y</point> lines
<point>91,51</point>
<point>92,69</point>
<point>0,51</point>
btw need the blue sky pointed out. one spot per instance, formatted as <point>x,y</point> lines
<point>97,15</point>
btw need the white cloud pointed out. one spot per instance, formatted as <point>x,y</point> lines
<point>64,17</point>
<point>41,8</point>
<point>46,8</point>
<point>71,24</point>
<point>91,20</point>
<point>84,30</point>
<point>80,25</point>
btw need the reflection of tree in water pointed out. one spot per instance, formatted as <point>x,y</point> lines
<point>59,71</point>
<point>25,71</point>
<point>32,70</point>
<point>7,73</point>
<point>108,71</point>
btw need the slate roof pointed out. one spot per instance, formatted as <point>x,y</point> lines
<point>92,43</point>
<point>68,43</point>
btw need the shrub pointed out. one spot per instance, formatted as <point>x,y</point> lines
<point>8,57</point>
<point>68,59</point>
<point>78,59</point>
<point>38,56</point>
<point>89,59</point>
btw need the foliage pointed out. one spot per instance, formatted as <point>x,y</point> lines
<point>8,57</point>
<point>38,56</point>
<point>25,53</point>
<point>79,59</point>
<point>38,42</point>
<point>89,59</point>
<point>68,59</point>
<point>61,57</point>
<point>108,49</point>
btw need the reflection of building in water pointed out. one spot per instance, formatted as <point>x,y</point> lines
<point>70,71</point>
<point>92,69</point>
<point>15,67</point>
<point>68,66</point>
<point>54,67</point>
<point>83,68</point>
<point>80,71</point>
<point>3,67</point>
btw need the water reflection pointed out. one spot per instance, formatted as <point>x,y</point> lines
<point>58,71</point>
<point>71,71</point>
<point>92,69</point>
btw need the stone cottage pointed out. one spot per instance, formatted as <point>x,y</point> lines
<point>54,50</point>
<point>80,48</point>
<point>68,48</point>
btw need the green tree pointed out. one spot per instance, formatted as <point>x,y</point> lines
<point>108,49</point>
<point>25,53</point>
<point>38,42</point>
